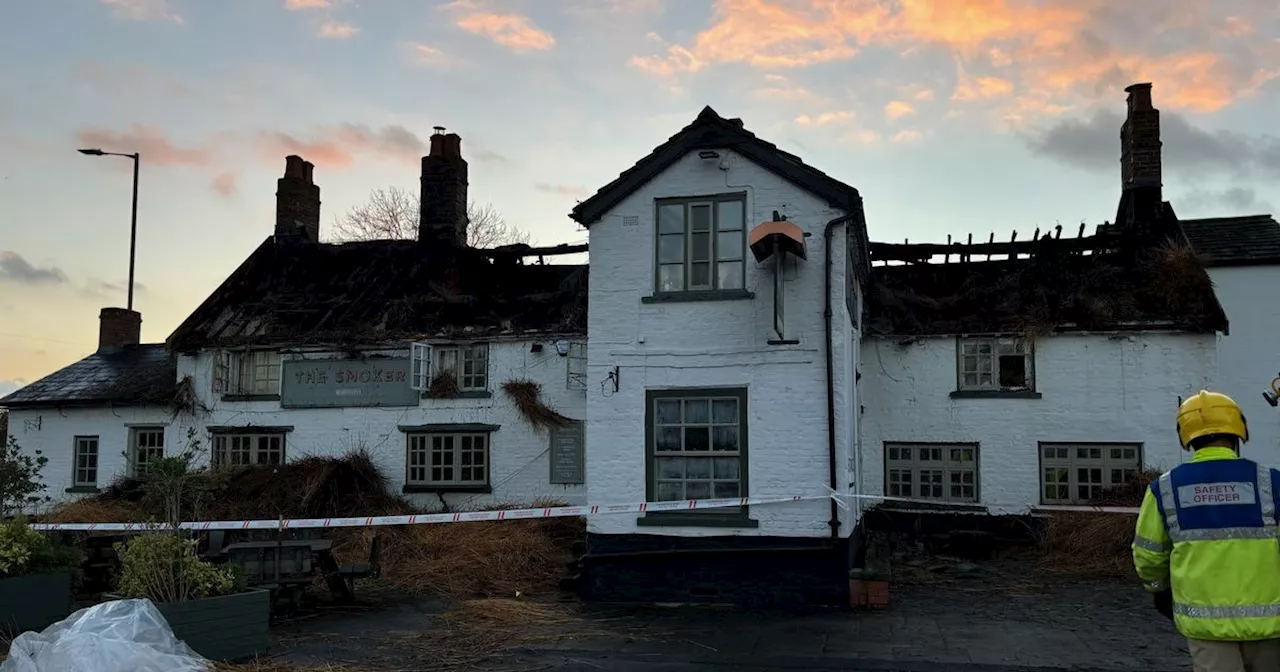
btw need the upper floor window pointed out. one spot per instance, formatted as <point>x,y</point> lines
<point>248,372</point>
<point>996,364</point>
<point>447,370</point>
<point>701,244</point>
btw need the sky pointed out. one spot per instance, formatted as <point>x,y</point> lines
<point>951,117</point>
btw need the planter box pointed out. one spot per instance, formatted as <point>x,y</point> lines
<point>226,628</point>
<point>34,601</point>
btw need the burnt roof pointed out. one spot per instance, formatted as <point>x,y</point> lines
<point>1057,288</point>
<point>1235,241</point>
<point>134,375</point>
<point>377,291</point>
<point>711,131</point>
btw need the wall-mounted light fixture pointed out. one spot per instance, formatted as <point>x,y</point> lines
<point>562,348</point>
<point>709,154</point>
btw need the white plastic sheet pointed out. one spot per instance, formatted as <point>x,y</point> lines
<point>116,636</point>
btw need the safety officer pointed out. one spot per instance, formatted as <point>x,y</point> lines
<point>1206,544</point>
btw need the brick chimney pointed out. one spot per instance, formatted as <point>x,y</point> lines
<point>442,221</point>
<point>118,327</point>
<point>297,202</point>
<point>1140,164</point>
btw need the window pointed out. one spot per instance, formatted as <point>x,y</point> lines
<point>701,244</point>
<point>145,445</point>
<point>946,472</point>
<point>247,373</point>
<point>86,469</point>
<point>448,460</point>
<point>248,448</point>
<point>697,446</point>
<point>577,367</point>
<point>469,365</point>
<point>1074,473</point>
<point>1005,364</point>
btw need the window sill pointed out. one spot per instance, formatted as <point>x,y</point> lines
<point>251,397</point>
<point>434,489</point>
<point>83,490</point>
<point>996,394</point>
<point>478,394</point>
<point>713,295</point>
<point>682,519</point>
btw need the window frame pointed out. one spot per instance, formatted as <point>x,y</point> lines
<point>1070,463</point>
<point>219,454</point>
<point>713,289</point>
<point>457,433</point>
<point>134,434</point>
<point>722,517</point>
<point>947,464</point>
<point>995,389</point>
<point>426,360</point>
<point>79,484</point>
<point>229,374</point>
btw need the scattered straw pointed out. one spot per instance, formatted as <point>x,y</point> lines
<point>1097,544</point>
<point>96,511</point>
<point>527,396</point>
<point>444,386</point>
<point>465,560</point>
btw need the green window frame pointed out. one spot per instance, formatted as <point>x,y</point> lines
<point>696,448</point>
<point>700,244</point>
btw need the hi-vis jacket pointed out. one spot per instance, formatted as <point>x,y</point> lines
<point>1208,530</point>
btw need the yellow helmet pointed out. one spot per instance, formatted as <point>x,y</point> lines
<point>1210,413</point>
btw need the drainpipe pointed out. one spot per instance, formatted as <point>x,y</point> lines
<point>831,383</point>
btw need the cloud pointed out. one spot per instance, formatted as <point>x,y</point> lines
<point>979,88</point>
<point>1093,144</point>
<point>862,137</point>
<point>143,10</point>
<point>7,386</point>
<point>1055,52</point>
<point>1233,201</point>
<point>146,140</point>
<point>101,289</point>
<point>296,5</point>
<point>428,56</point>
<point>336,146</point>
<point>780,88</point>
<point>897,109</point>
<point>907,136</point>
<point>336,30</point>
<point>560,189</point>
<point>224,184</point>
<point>14,268</point>
<point>513,31</point>
<point>825,118</point>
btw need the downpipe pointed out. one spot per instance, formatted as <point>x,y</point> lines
<point>829,317</point>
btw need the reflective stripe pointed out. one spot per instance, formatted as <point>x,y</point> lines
<point>1149,545</point>
<point>1220,533</point>
<point>1243,611</point>
<point>1169,503</point>
<point>1266,494</point>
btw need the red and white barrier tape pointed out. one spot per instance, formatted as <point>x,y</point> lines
<point>543,512</point>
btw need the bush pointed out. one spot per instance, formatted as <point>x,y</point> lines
<point>26,551</point>
<point>164,567</point>
<point>20,484</point>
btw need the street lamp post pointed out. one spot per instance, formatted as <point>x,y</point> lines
<point>133,222</point>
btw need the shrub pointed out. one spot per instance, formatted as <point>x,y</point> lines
<point>26,551</point>
<point>164,567</point>
<point>20,484</point>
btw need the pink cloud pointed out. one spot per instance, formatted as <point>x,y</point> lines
<point>224,184</point>
<point>146,140</point>
<point>513,31</point>
<point>297,5</point>
<point>336,30</point>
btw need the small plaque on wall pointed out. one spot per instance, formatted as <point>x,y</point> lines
<point>568,454</point>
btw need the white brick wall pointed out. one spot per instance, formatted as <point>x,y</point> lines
<point>1249,357</point>
<point>717,343</point>
<point>53,432</point>
<point>1103,388</point>
<point>520,467</point>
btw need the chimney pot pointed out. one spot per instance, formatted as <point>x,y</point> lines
<point>118,328</point>
<point>297,202</point>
